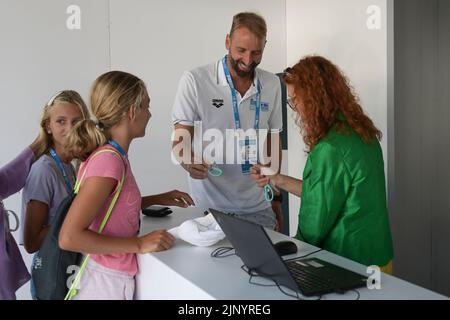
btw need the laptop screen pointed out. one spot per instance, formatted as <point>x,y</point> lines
<point>254,247</point>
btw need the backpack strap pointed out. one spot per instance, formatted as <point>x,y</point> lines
<point>72,290</point>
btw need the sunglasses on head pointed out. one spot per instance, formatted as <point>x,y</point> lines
<point>290,100</point>
<point>288,70</point>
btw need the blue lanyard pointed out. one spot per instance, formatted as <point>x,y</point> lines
<point>237,120</point>
<point>62,169</point>
<point>118,147</point>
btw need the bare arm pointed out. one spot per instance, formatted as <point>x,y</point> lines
<point>289,184</point>
<point>76,236</point>
<point>171,198</point>
<point>35,229</point>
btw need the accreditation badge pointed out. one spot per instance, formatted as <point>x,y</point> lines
<point>248,153</point>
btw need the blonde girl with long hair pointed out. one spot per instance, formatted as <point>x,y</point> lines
<point>52,176</point>
<point>120,103</point>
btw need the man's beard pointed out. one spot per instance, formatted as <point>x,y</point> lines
<point>239,72</point>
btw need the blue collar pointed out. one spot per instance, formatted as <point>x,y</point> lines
<point>118,147</point>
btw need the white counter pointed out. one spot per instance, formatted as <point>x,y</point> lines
<point>189,272</point>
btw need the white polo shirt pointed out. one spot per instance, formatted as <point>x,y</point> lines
<point>204,99</point>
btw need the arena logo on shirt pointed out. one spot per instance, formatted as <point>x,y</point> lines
<point>217,103</point>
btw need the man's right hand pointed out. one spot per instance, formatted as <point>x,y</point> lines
<point>197,171</point>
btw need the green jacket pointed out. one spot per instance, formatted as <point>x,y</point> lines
<point>343,203</point>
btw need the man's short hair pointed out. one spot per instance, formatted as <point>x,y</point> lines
<point>252,21</point>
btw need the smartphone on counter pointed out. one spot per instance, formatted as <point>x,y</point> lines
<point>156,211</point>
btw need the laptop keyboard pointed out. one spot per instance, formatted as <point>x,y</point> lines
<point>315,277</point>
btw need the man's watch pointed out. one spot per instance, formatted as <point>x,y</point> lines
<point>278,197</point>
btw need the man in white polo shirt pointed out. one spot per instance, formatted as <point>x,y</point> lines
<point>216,100</point>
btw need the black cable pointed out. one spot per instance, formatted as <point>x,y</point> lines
<point>288,294</point>
<point>252,274</point>
<point>304,256</point>
<point>358,295</point>
<point>222,252</point>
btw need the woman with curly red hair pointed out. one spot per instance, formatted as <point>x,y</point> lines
<point>343,193</point>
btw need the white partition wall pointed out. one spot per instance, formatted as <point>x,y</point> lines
<point>352,34</point>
